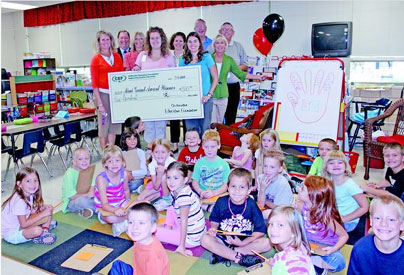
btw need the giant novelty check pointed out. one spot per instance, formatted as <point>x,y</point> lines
<point>162,94</point>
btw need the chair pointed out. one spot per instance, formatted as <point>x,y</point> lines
<point>6,149</point>
<point>255,123</point>
<point>374,149</point>
<point>30,138</point>
<point>90,134</point>
<point>363,111</point>
<point>71,129</point>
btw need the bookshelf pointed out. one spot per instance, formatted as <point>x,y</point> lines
<point>38,66</point>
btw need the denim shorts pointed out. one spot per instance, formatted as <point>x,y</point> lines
<point>16,238</point>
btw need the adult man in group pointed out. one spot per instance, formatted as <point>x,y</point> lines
<point>237,52</point>
<point>123,43</point>
<point>200,28</point>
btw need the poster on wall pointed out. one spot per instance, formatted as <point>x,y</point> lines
<point>308,101</point>
<point>162,94</point>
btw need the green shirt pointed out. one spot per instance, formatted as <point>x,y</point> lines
<point>211,174</point>
<point>228,65</point>
<point>69,184</point>
<point>316,167</point>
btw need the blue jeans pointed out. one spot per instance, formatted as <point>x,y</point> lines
<point>201,124</point>
<point>120,268</point>
<point>350,226</point>
<point>134,184</point>
<point>336,260</point>
<point>81,203</point>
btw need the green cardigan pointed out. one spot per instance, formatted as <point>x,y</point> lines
<point>228,65</point>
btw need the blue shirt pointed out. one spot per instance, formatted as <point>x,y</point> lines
<point>205,63</point>
<point>367,259</point>
<point>206,43</point>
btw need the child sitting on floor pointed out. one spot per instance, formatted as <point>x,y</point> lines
<point>273,188</point>
<point>112,191</point>
<point>211,172</point>
<point>130,140</point>
<point>157,188</point>
<point>383,252</point>
<point>322,222</point>
<point>393,154</point>
<point>237,214</point>
<point>192,152</point>
<point>243,155</point>
<point>352,204</point>
<point>24,216</point>
<point>185,221</point>
<point>136,124</point>
<point>149,256</point>
<point>286,232</point>
<point>324,146</point>
<point>82,204</point>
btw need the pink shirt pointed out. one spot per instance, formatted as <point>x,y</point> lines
<point>146,63</point>
<point>9,215</point>
<point>129,60</point>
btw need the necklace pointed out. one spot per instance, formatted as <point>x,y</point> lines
<point>242,213</point>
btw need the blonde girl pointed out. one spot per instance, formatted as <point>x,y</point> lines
<point>157,188</point>
<point>243,155</point>
<point>286,233</point>
<point>351,202</point>
<point>24,216</point>
<point>322,221</point>
<point>269,139</point>
<point>112,190</point>
<point>185,221</point>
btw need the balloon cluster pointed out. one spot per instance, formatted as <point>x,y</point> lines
<point>272,28</point>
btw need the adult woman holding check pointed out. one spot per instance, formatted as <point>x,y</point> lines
<point>155,56</point>
<point>194,55</point>
<point>105,60</point>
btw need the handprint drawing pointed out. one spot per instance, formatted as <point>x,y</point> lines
<point>310,98</point>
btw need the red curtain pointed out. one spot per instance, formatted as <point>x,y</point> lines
<point>79,10</point>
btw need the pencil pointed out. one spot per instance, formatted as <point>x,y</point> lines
<point>259,255</point>
<point>129,204</point>
<point>57,205</point>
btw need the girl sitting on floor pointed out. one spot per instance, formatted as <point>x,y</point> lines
<point>24,216</point>
<point>185,221</point>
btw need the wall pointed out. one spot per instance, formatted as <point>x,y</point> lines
<point>377,29</point>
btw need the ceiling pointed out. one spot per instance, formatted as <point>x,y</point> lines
<point>32,3</point>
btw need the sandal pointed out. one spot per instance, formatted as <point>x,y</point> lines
<point>46,238</point>
<point>85,213</point>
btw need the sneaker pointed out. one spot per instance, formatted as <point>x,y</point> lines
<point>161,205</point>
<point>46,238</point>
<point>139,189</point>
<point>119,228</point>
<point>53,224</point>
<point>100,218</point>
<point>214,259</point>
<point>85,213</point>
<point>249,260</point>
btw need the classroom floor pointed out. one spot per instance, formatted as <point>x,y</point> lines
<point>51,188</point>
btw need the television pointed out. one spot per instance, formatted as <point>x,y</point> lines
<point>333,39</point>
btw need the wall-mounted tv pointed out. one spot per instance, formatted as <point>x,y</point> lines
<point>332,39</point>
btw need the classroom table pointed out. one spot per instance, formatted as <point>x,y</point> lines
<point>13,130</point>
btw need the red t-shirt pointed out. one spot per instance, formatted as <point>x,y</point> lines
<point>189,157</point>
<point>150,259</point>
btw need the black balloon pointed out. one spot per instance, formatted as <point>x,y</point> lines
<point>273,26</point>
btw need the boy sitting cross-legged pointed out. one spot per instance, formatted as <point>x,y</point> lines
<point>237,225</point>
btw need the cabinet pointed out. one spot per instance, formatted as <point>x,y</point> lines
<point>34,94</point>
<point>39,66</point>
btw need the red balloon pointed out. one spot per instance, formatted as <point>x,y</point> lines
<point>261,42</point>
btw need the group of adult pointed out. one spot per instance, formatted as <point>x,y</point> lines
<point>223,64</point>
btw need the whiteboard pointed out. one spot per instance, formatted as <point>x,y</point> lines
<point>308,101</point>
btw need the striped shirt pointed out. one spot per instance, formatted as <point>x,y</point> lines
<point>115,193</point>
<point>196,220</point>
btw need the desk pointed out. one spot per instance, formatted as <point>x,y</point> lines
<point>13,130</point>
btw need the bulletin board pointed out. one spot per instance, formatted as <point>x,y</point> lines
<point>308,100</point>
